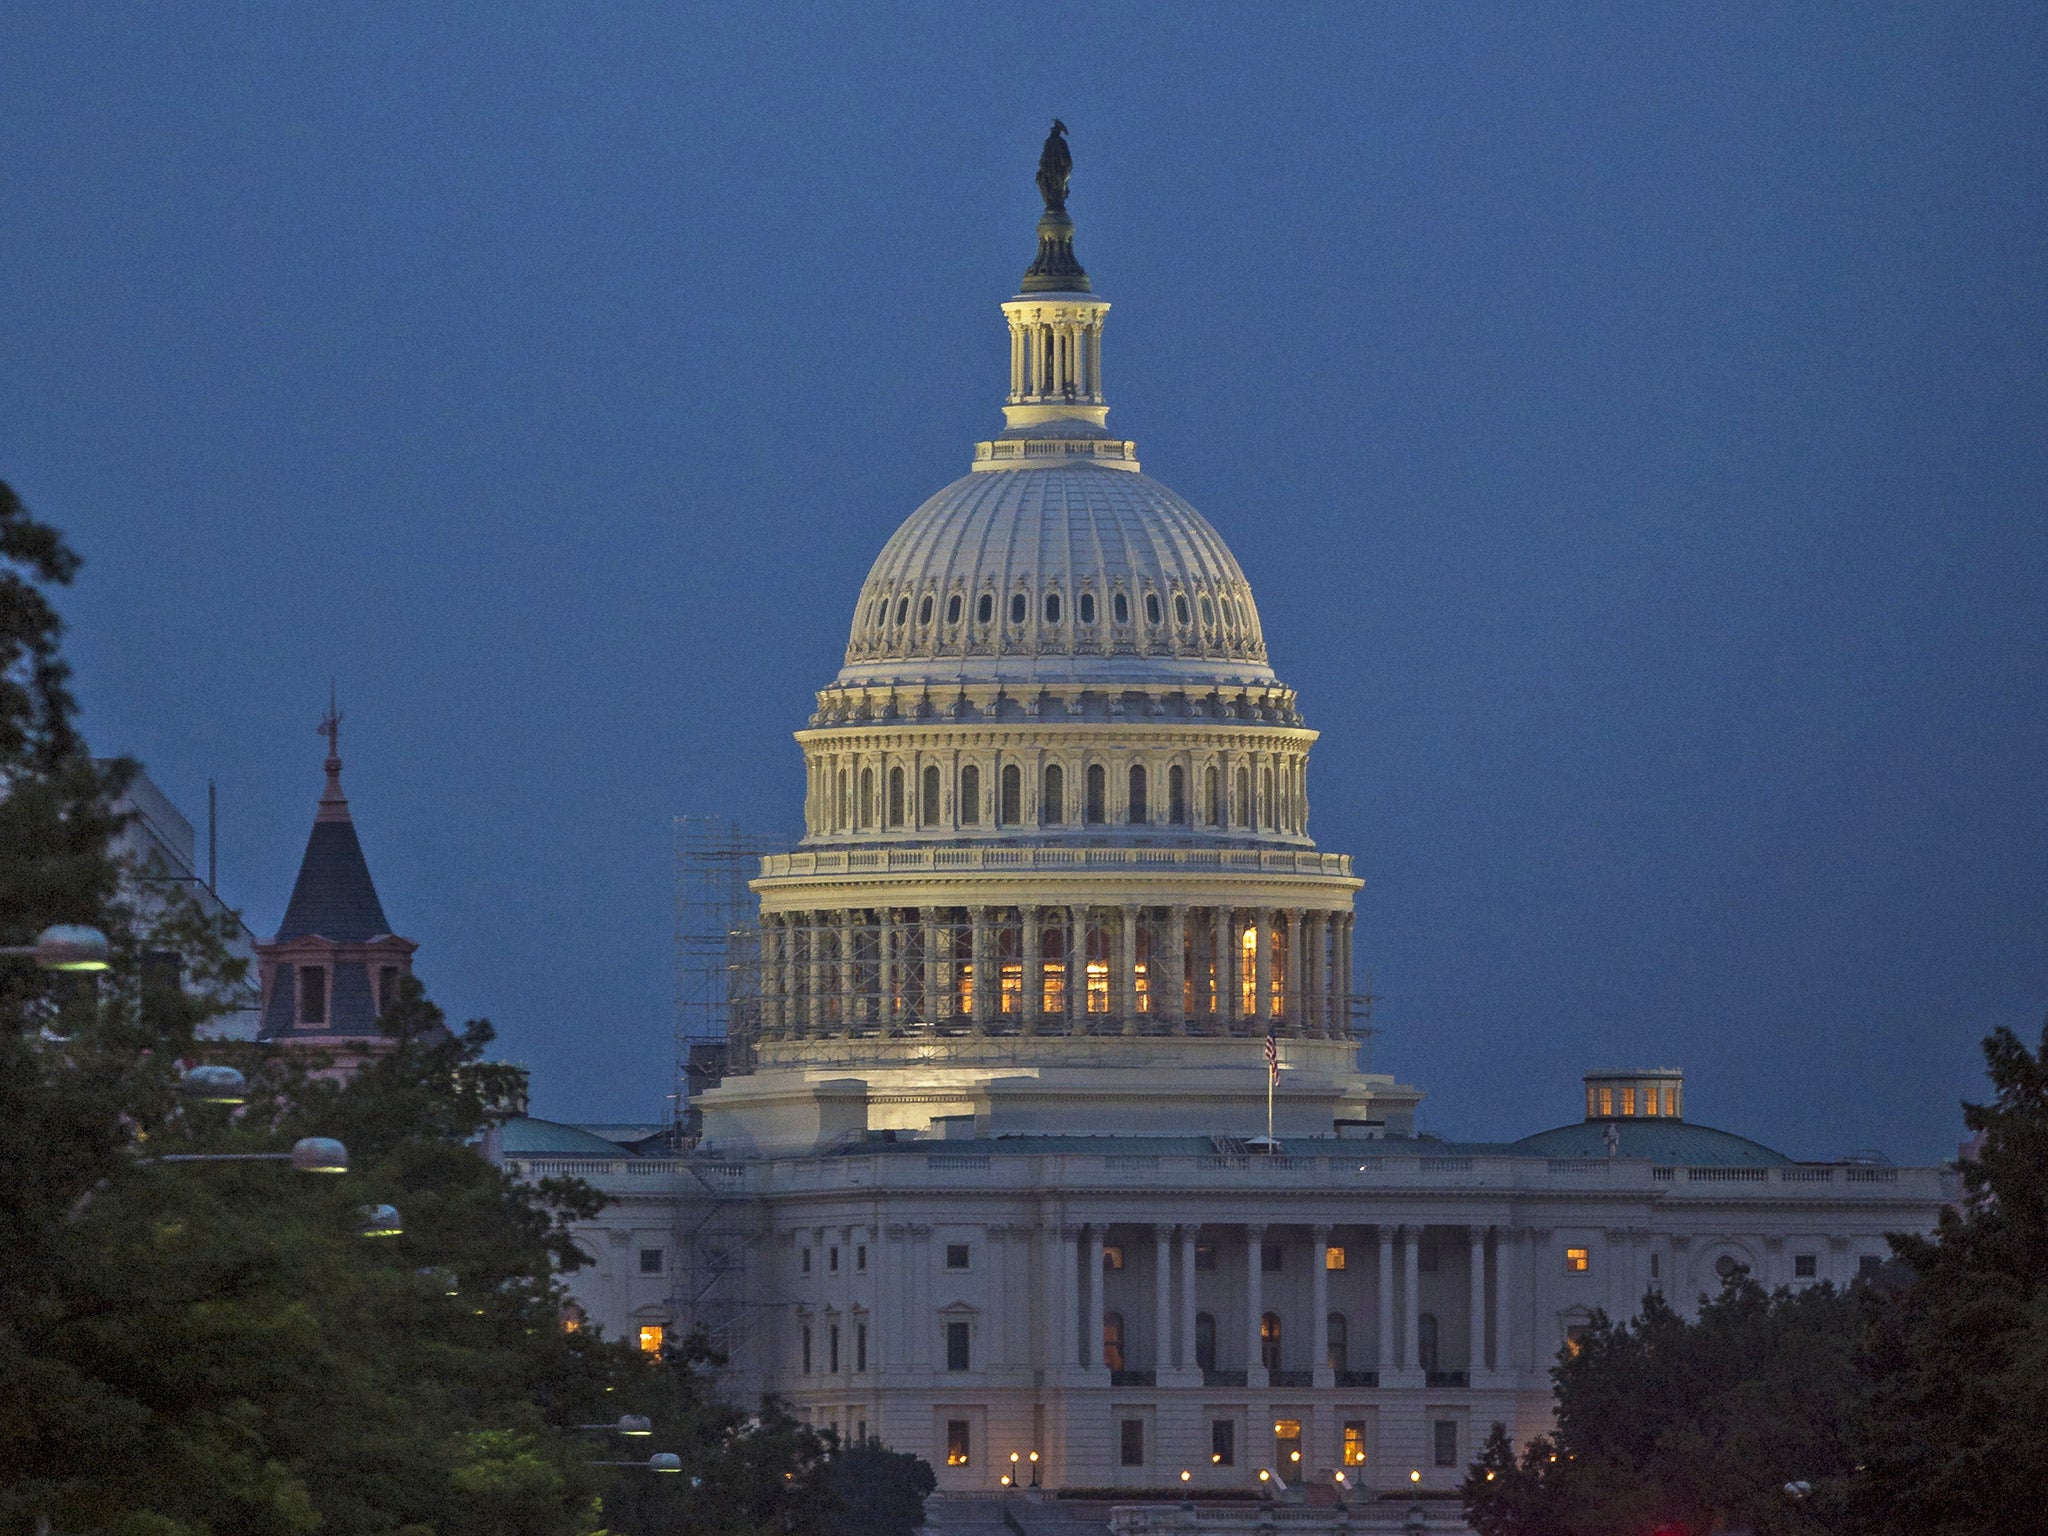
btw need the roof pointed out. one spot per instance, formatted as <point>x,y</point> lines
<point>524,1136</point>
<point>1661,1141</point>
<point>334,896</point>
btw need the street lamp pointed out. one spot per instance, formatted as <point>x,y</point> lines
<point>660,1461</point>
<point>208,1084</point>
<point>64,947</point>
<point>309,1154</point>
<point>625,1424</point>
<point>379,1221</point>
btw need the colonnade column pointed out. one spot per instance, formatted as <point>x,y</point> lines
<point>1503,1248</point>
<point>1255,1304</point>
<point>1188,1233</point>
<point>814,945</point>
<point>1063,1297</point>
<point>848,1003</point>
<point>1091,1338</point>
<point>1294,1002</point>
<point>1344,981</point>
<point>1318,979</point>
<point>1319,1308</point>
<point>928,922</point>
<point>1127,970</point>
<point>1411,1299</point>
<point>1262,972</point>
<point>1476,1360</point>
<point>1077,967</point>
<point>1162,1301</point>
<point>1224,945</point>
<point>1175,974</point>
<point>771,977</point>
<point>1386,1350</point>
<point>885,970</point>
<point>1034,970</point>
<point>979,951</point>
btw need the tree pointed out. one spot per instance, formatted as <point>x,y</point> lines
<point>1956,1438</point>
<point>882,1491</point>
<point>1690,1427</point>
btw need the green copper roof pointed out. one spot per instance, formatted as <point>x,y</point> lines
<point>1661,1141</point>
<point>526,1137</point>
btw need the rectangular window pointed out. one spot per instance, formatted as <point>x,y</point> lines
<point>1445,1434</point>
<point>860,1348</point>
<point>1205,1256</point>
<point>1573,1335</point>
<point>650,1261</point>
<point>1805,1265</point>
<point>650,1338</point>
<point>956,1347</point>
<point>957,1448</point>
<point>1270,1256</point>
<point>860,1259</point>
<point>805,1263</point>
<point>860,1431</point>
<point>807,1349</point>
<point>832,1350</point>
<point>1333,1257</point>
<point>1655,1266</point>
<point>1131,1446</point>
<point>1577,1261</point>
<point>1650,1100</point>
<point>1628,1101</point>
<point>1354,1442</point>
<point>1670,1098</point>
<point>1112,1256</point>
<point>1607,1101</point>
<point>1223,1442</point>
<point>956,1255</point>
<point>312,994</point>
<point>831,1261</point>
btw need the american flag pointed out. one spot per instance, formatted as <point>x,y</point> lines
<point>1272,1062</point>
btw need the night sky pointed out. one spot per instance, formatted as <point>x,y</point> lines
<point>1631,421</point>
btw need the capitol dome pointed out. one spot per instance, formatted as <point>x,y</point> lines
<point>1057,573</point>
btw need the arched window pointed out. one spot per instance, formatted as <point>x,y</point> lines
<point>928,807</point>
<point>1269,1340</point>
<point>970,796</point>
<point>845,798</point>
<point>1180,609</point>
<point>1152,615</point>
<point>1052,607</point>
<point>903,609</point>
<point>1087,610</point>
<point>1266,796</point>
<point>1120,608</point>
<point>924,609</point>
<point>1138,813</point>
<point>1212,808</point>
<point>1339,1345</point>
<point>1426,1341</point>
<point>1020,605</point>
<point>953,609</point>
<point>1098,795</point>
<point>895,797</point>
<point>1205,1341</point>
<point>1177,795</point>
<point>1052,806</point>
<point>986,608</point>
<point>1113,1340</point>
<point>1012,810</point>
<point>867,797</point>
<point>1208,612</point>
<point>1243,817</point>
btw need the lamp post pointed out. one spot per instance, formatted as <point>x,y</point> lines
<point>660,1461</point>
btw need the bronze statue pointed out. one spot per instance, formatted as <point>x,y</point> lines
<point>1055,166</point>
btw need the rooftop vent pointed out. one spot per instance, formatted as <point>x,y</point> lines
<point>1657,1093</point>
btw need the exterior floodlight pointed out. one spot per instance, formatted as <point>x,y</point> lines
<point>1006,1479</point>
<point>634,1424</point>
<point>1265,1476</point>
<point>319,1154</point>
<point>214,1085</point>
<point>379,1221</point>
<point>64,947</point>
<point>664,1461</point>
<point>1414,1474</point>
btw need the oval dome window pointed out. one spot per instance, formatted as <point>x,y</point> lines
<point>1180,609</point>
<point>986,608</point>
<point>1087,609</point>
<point>1208,612</point>
<point>1152,609</point>
<point>1020,605</point>
<point>953,609</point>
<point>924,611</point>
<point>1120,608</point>
<point>1052,607</point>
<point>902,609</point>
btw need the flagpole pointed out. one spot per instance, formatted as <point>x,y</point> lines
<point>1269,1106</point>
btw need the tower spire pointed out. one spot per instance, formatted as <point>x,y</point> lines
<point>333,804</point>
<point>1056,269</point>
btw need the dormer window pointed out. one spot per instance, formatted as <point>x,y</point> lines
<point>1087,608</point>
<point>312,994</point>
<point>1120,608</point>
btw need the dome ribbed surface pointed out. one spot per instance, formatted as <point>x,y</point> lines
<point>1068,572</point>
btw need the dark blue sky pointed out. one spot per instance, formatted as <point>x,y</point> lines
<point>1631,420</point>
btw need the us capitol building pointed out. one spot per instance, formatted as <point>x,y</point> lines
<point>988,1177</point>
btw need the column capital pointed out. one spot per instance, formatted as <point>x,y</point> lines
<point>1322,1231</point>
<point>1255,1233</point>
<point>1163,1231</point>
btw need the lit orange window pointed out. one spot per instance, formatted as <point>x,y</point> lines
<point>1248,969</point>
<point>1012,997</point>
<point>1606,1101</point>
<point>650,1338</point>
<point>1142,985</point>
<point>1574,1337</point>
<point>1333,1257</point>
<point>1670,1098</point>
<point>1354,1442</point>
<point>1577,1261</point>
<point>1650,1100</point>
<point>1628,1101</point>
<point>1055,986</point>
<point>1098,986</point>
<point>964,986</point>
<point>1112,1256</point>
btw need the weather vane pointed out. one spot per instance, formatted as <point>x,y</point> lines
<point>330,725</point>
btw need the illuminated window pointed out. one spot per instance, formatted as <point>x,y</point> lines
<point>1052,807</point>
<point>1333,1257</point>
<point>572,1318</point>
<point>1287,1448</point>
<point>1592,1101</point>
<point>650,1338</point>
<point>1354,1442</point>
<point>1248,969</point>
<point>1628,1101</point>
<point>1574,1340</point>
<point>956,1443</point>
<point>1113,1340</point>
<point>1577,1261</point>
<point>1650,1100</point>
<point>1098,986</point>
<point>957,1255</point>
<point>1010,988</point>
<point>1606,1101</point>
<point>1112,1256</point>
<point>1269,1340</point>
<point>1055,984</point>
<point>1222,1442</point>
<point>1670,1098</point>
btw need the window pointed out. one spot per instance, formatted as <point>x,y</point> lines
<point>1212,807</point>
<point>924,610</point>
<point>1222,1442</point>
<point>956,1347</point>
<point>970,796</point>
<point>1805,1266</point>
<point>1120,608</point>
<point>860,1346</point>
<point>1445,1434</point>
<point>1052,808</point>
<point>650,1338</point>
<point>832,1261</point>
<point>986,608</point>
<point>804,1261</point>
<point>1670,1099</point>
<point>1272,1258</point>
<point>1266,796</point>
<point>1112,1256</point>
<point>1426,1341</point>
<point>1354,1442</point>
<point>650,1261</point>
<point>387,989</point>
<point>1607,1101</point>
<point>1244,797</point>
<point>1656,1265</point>
<point>1334,1257</point>
<point>1205,1256</point>
<point>832,1349</point>
<point>1020,605</point>
<point>867,797</point>
<point>1131,1443</point>
<point>1138,813</point>
<point>806,1340</point>
<point>953,609</point>
<point>845,799</point>
<point>1208,612</point>
<point>1098,795</point>
<point>1113,1340</point>
<point>1726,1265</point>
<point>1650,1099</point>
<point>1011,812</point>
<point>895,797</point>
<point>1574,1337</point>
<point>928,809</point>
<point>1087,607</point>
<point>312,994</point>
<point>1177,795</point>
<point>1205,1341</point>
<point>1052,607</point>
<point>1152,615</point>
<point>1577,1261</point>
<point>1269,1340</point>
<point>902,610</point>
<point>956,1443</point>
<point>957,1255</point>
<point>860,1432</point>
<point>1337,1349</point>
<point>860,1258</point>
<point>1287,1449</point>
<point>1180,609</point>
<point>1628,1101</point>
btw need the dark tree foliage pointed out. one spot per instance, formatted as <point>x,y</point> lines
<point>882,1491</point>
<point>1956,1439</point>
<point>1665,1425</point>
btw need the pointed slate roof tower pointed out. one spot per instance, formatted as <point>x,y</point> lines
<point>332,971</point>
